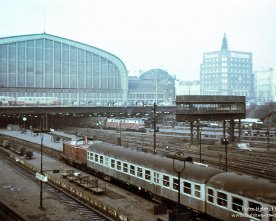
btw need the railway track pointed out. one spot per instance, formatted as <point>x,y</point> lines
<point>65,198</point>
<point>260,163</point>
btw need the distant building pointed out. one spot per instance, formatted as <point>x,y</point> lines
<point>227,72</point>
<point>188,88</point>
<point>265,85</point>
<point>155,85</point>
<point>43,65</point>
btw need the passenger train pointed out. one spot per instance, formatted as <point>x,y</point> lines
<point>28,101</point>
<point>219,194</point>
<point>134,124</point>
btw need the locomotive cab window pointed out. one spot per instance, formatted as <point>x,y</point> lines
<point>222,199</point>
<point>254,210</point>
<point>88,156</point>
<point>166,180</point>
<point>187,187</point>
<point>210,195</point>
<point>237,204</point>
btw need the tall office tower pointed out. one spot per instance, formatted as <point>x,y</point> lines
<point>227,72</point>
<point>265,85</point>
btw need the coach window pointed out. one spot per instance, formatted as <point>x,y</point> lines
<point>156,177</point>
<point>166,180</point>
<point>139,172</point>
<point>91,156</point>
<point>197,190</point>
<point>187,188</point>
<point>96,157</point>
<point>210,195</point>
<point>222,199</point>
<point>112,163</point>
<point>125,167</point>
<point>147,174</point>
<point>118,165</point>
<point>237,204</point>
<point>254,210</point>
<point>87,155</point>
<point>132,169</point>
<point>175,183</point>
<point>101,159</point>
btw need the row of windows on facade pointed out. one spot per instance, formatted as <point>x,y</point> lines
<point>81,96</point>
<point>217,107</point>
<point>230,59</point>
<point>50,81</point>
<point>225,70</point>
<point>58,52</point>
<point>216,65</point>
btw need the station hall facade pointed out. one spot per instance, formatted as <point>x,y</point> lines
<point>44,65</point>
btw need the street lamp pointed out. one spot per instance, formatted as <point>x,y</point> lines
<point>24,120</point>
<point>225,141</point>
<point>178,171</point>
<point>41,162</point>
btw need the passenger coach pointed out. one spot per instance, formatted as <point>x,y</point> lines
<point>152,173</point>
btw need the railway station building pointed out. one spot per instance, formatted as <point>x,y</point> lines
<point>153,86</point>
<point>44,65</point>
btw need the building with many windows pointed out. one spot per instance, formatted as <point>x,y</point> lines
<point>227,72</point>
<point>155,85</point>
<point>43,65</point>
<point>188,88</point>
<point>265,85</point>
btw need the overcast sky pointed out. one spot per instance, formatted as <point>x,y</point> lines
<point>147,34</point>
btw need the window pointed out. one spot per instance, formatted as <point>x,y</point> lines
<point>91,156</point>
<point>197,190</point>
<point>254,210</point>
<point>237,204</point>
<point>132,169</point>
<point>101,159</point>
<point>96,157</point>
<point>156,177</point>
<point>222,199</point>
<point>87,155</point>
<point>166,180</point>
<point>112,163</point>
<point>175,184</point>
<point>210,195</point>
<point>147,174</point>
<point>187,188</point>
<point>125,167</point>
<point>118,165</point>
<point>139,172</point>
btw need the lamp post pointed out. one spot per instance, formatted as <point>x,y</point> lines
<point>41,163</point>
<point>225,141</point>
<point>267,138</point>
<point>24,120</point>
<point>178,171</point>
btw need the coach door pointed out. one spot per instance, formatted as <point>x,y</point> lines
<point>156,179</point>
